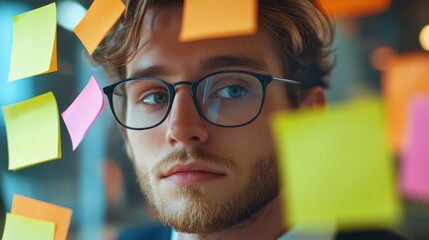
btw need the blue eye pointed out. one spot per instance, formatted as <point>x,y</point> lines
<point>155,98</point>
<point>233,91</point>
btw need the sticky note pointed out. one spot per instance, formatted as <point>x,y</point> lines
<point>32,208</point>
<point>341,8</point>
<point>414,176</point>
<point>100,18</point>
<point>81,114</point>
<point>24,228</point>
<point>33,131</point>
<point>218,18</point>
<point>335,166</point>
<point>34,47</point>
<point>407,76</point>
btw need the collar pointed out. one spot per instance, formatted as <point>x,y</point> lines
<point>296,233</point>
<point>299,232</point>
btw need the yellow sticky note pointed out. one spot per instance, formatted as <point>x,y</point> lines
<point>33,131</point>
<point>218,18</point>
<point>24,228</point>
<point>101,16</point>
<point>34,47</point>
<point>33,208</point>
<point>336,165</point>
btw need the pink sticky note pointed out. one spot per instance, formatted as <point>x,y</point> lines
<point>81,114</point>
<point>414,179</point>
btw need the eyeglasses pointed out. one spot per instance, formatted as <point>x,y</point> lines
<point>225,98</point>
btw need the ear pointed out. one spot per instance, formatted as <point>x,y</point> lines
<point>314,98</point>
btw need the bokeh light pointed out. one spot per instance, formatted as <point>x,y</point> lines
<point>381,58</point>
<point>424,37</point>
<point>70,13</point>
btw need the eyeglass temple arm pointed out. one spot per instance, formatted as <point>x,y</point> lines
<point>286,80</point>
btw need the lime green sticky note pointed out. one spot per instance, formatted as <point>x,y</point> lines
<point>33,131</point>
<point>23,228</point>
<point>335,165</point>
<point>34,48</point>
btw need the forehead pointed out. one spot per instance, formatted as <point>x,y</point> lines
<point>160,45</point>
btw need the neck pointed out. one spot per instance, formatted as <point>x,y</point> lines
<point>266,224</point>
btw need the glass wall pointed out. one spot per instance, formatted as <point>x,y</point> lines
<point>97,180</point>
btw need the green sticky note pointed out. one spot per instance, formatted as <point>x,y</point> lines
<point>23,228</point>
<point>33,131</point>
<point>34,48</point>
<point>335,166</point>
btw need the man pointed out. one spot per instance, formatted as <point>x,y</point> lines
<point>195,115</point>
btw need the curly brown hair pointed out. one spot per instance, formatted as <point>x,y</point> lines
<point>302,29</point>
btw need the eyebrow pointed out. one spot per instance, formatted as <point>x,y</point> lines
<point>152,71</point>
<point>207,65</point>
<point>233,61</point>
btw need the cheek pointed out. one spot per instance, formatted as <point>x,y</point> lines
<point>276,97</point>
<point>258,133</point>
<point>145,147</point>
<point>262,139</point>
<point>245,144</point>
<point>275,100</point>
<point>253,143</point>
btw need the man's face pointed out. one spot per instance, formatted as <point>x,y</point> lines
<point>201,178</point>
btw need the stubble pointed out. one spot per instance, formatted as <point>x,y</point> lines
<point>193,212</point>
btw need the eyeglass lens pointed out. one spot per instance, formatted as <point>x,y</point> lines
<point>227,99</point>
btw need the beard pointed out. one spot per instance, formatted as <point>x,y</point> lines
<point>192,212</point>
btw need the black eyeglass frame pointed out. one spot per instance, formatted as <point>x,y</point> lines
<point>264,80</point>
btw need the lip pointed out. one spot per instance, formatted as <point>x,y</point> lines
<point>192,173</point>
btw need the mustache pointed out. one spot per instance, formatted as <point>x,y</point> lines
<point>193,155</point>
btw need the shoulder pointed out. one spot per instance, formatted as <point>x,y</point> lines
<point>153,231</point>
<point>370,235</point>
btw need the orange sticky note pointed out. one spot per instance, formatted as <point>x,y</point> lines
<point>218,18</point>
<point>99,19</point>
<point>341,8</point>
<point>407,76</point>
<point>32,208</point>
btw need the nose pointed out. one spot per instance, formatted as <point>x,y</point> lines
<point>186,128</point>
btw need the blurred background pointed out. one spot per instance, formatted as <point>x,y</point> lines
<point>97,180</point>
